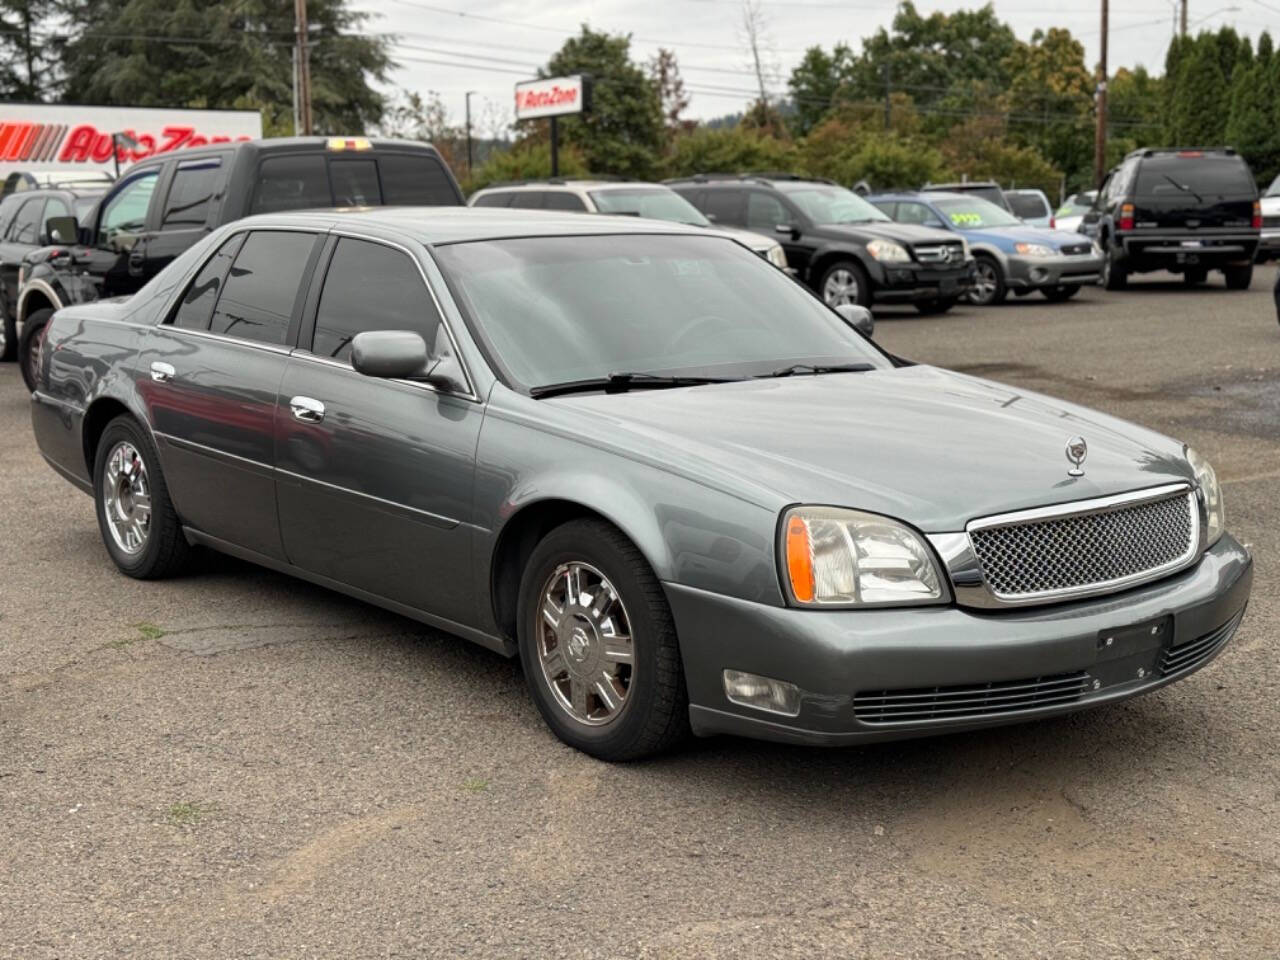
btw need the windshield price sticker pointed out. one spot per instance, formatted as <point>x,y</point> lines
<point>966,219</point>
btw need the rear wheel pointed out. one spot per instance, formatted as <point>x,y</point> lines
<point>1114,276</point>
<point>845,282</point>
<point>931,308</point>
<point>1238,278</point>
<point>30,345</point>
<point>988,282</point>
<point>8,337</point>
<point>1060,293</point>
<point>598,644</point>
<point>139,526</point>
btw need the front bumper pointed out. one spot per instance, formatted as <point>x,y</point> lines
<point>1035,273</point>
<point>887,655</point>
<point>912,282</point>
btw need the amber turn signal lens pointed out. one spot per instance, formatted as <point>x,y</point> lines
<point>800,560</point>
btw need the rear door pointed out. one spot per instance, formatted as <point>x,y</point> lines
<point>192,189</point>
<point>375,476</point>
<point>209,375</point>
<point>22,235</point>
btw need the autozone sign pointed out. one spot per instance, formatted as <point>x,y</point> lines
<point>552,97</point>
<point>65,137</point>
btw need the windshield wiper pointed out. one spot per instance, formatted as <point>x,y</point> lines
<point>815,369</point>
<point>1184,188</point>
<point>621,382</point>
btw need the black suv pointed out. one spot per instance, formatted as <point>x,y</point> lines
<point>845,249</point>
<point>1186,210</point>
<point>24,221</point>
<point>163,205</point>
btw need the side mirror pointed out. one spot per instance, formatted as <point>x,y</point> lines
<point>61,229</point>
<point>391,354</point>
<point>786,229</point>
<point>859,318</point>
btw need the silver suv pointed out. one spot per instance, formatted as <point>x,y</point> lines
<point>625,197</point>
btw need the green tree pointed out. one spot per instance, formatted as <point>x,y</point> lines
<point>224,53</point>
<point>729,150</point>
<point>1133,108</point>
<point>30,57</point>
<point>528,160</point>
<point>979,149</point>
<point>892,163</point>
<point>817,82</point>
<point>1198,115</point>
<point>624,132</point>
<point>1251,122</point>
<point>1050,101</point>
<point>1179,50</point>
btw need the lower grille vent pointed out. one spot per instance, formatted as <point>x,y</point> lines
<point>957,703</point>
<point>1191,655</point>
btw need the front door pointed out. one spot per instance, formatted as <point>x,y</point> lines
<point>117,257</point>
<point>209,375</point>
<point>375,476</point>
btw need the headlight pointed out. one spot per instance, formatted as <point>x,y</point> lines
<point>844,558</point>
<point>777,256</point>
<point>1035,250</point>
<point>886,251</point>
<point>1207,481</point>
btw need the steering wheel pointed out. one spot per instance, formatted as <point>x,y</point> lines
<point>704,325</point>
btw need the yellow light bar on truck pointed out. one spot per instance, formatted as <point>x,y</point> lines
<point>349,143</point>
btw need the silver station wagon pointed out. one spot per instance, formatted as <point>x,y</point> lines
<point>683,491</point>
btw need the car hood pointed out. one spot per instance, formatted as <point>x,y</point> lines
<point>907,233</point>
<point>925,445</point>
<point>1022,233</point>
<point>748,238</point>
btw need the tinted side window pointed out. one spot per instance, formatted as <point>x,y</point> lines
<point>355,183</point>
<point>196,308</point>
<point>291,183</point>
<point>415,180</point>
<point>725,206</point>
<point>499,199</point>
<point>765,212</point>
<point>371,287</point>
<point>917,213</point>
<point>126,210</point>
<point>26,225</point>
<point>563,200</point>
<point>194,185</point>
<point>527,199</point>
<point>261,288</point>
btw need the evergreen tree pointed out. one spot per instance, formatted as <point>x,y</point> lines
<point>1173,58</point>
<point>1198,115</point>
<point>1250,123</point>
<point>28,54</point>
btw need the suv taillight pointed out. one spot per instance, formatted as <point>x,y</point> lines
<point>1053,223</point>
<point>1126,217</point>
<point>1257,215</point>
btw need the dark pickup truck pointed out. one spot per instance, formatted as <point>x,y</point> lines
<point>1188,210</point>
<point>160,207</point>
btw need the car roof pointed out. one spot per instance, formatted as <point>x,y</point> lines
<point>956,187</point>
<point>1024,190</point>
<point>585,183</point>
<point>274,145</point>
<point>443,225</point>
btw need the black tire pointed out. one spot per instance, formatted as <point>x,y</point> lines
<point>1239,278</point>
<point>1114,276</point>
<point>1061,293</point>
<point>931,308</point>
<point>991,277</point>
<point>8,337</point>
<point>655,713</point>
<point>29,345</point>
<point>858,276</point>
<point>165,551</point>
<point>1195,277</point>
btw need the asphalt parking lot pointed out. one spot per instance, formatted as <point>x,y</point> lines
<point>236,764</point>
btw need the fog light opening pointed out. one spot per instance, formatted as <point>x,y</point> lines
<point>762,693</point>
<point>1039,274</point>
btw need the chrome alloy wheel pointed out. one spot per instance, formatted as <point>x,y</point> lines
<point>126,498</point>
<point>840,287</point>
<point>584,644</point>
<point>983,290</point>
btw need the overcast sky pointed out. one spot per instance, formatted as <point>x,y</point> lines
<point>452,46</point>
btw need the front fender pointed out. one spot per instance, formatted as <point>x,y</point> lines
<point>991,250</point>
<point>60,287</point>
<point>817,263</point>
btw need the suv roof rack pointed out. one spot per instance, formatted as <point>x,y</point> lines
<point>765,177</point>
<point>1152,151</point>
<point>558,181</point>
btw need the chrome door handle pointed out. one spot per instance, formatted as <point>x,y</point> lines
<point>306,409</point>
<point>162,372</point>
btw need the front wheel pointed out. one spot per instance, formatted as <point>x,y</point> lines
<point>598,644</point>
<point>30,346</point>
<point>1060,293</point>
<point>988,283</point>
<point>8,337</point>
<point>1238,278</point>
<point>845,282</point>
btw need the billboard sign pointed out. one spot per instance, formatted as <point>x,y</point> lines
<point>36,136</point>
<point>552,97</point>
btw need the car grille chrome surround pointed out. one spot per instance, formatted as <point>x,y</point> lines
<point>1088,547</point>
<point>1077,249</point>
<point>940,253</point>
<point>964,702</point>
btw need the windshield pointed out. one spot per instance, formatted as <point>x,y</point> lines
<point>1274,189</point>
<point>1174,176</point>
<point>974,213</point>
<point>553,310</point>
<point>658,204</point>
<point>1076,205</point>
<point>831,204</point>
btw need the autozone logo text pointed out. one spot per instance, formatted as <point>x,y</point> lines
<point>557,96</point>
<point>85,143</point>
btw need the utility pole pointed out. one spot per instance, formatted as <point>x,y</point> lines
<point>304,67</point>
<point>1100,136</point>
<point>468,98</point>
<point>888,100</point>
<point>297,120</point>
<point>1182,17</point>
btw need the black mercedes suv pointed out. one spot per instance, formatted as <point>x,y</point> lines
<point>841,246</point>
<point>1188,210</point>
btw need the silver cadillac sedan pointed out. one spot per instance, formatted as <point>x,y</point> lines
<point>685,492</point>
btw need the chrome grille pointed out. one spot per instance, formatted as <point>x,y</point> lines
<point>1077,249</point>
<point>940,253</point>
<point>1187,657</point>
<point>978,700</point>
<point>1085,551</point>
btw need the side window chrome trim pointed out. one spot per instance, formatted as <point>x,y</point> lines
<point>282,349</point>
